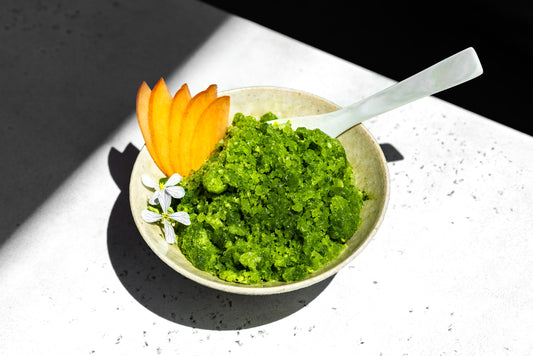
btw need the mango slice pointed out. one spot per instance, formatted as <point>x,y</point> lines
<point>177,112</point>
<point>158,114</point>
<point>192,114</point>
<point>143,101</point>
<point>210,129</point>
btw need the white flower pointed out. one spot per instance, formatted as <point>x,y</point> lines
<point>163,195</point>
<point>164,192</point>
<point>180,216</point>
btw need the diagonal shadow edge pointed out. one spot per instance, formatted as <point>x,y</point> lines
<point>73,71</point>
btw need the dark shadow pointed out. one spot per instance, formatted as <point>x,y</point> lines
<point>166,293</point>
<point>70,72</point>
<point>390,152</point>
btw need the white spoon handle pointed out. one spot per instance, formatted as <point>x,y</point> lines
<point>447,73</point>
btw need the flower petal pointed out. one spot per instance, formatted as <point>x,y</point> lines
<point>175,192</point>
<point>155,197</point>
<point>149,182</point>
<point>164,200</point>
<point>150,216</point>
<point>173,180</point>
<point>181,217</point>
<point>170,235</point>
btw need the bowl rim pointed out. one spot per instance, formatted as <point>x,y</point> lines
<point>262,289</point>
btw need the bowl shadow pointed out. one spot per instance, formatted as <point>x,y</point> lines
<point>168,294</point>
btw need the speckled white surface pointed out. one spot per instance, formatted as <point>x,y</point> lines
<point>449,272</point>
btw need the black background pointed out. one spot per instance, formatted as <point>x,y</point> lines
<point>397,39</point>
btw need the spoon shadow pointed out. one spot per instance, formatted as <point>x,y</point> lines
<point>166,293</point>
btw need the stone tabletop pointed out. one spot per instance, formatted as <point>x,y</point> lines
<point>448,273</point>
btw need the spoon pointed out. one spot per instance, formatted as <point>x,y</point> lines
<point>452,71</point>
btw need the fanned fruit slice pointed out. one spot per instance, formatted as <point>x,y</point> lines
<point>180,132</point>
<point>177,111</point>
<point>209,130</point>
<point>143,103</point>
<point>159,113</point>
<point>192,113</point>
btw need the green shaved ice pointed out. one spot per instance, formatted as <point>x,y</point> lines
<point>270,204</point>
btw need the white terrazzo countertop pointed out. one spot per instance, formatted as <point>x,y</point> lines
<point>449,272</point>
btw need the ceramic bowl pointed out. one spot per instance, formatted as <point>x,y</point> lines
<point>362,150</point>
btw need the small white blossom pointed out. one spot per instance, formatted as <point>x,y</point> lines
<point>180,216</point>
<point>164,192</point>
